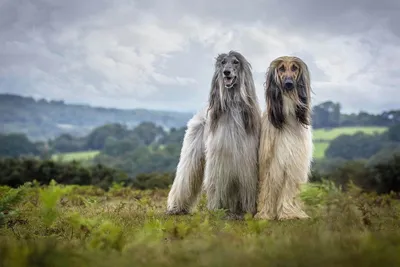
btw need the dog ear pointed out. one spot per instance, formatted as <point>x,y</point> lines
<point>274,99</point>
<point>214,100</point>
<point>303,90</point>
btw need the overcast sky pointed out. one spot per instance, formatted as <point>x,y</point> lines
<point>159,54</point>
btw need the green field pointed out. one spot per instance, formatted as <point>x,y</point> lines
<point>322,134</point>
<point>79,156</point>
<point>321,142</point>
<point>319,149</point>
<point>322,137</point>
<point>85,227</point>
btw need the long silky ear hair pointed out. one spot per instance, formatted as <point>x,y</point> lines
<point>274,99</point>
<point>303,109</point>
<point>216,102</point>
<point>247,92</point>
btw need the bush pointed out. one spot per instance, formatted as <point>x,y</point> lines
<point>152,181</point>
<point>381,177</point>
<point>16,171</point>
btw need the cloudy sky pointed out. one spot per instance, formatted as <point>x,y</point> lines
<point>159,54</point>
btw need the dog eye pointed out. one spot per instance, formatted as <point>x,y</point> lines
<point>235,62</point>
<point>282,68</point>
<point>294,68</point>
<point>223,62</point>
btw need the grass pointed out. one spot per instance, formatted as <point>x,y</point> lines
<point>322,137</point>
<point>78,156</point>
<point>85,226</point>
<point>327,135</point>
<point>319,149</point>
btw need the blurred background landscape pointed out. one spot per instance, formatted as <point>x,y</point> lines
<point>95,96</point>
<point>40,138</point>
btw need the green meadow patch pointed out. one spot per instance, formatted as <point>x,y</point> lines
<point>322,137</point>
<point>77,226</point>
<point>330,134</point>
<point>319,149</point>
<point>78,156</point>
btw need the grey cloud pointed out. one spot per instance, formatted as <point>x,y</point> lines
<point>48,47</point>
<point>340,17</point>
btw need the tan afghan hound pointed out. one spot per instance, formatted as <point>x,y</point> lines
<point>220,148</point>
<point>286,147</point>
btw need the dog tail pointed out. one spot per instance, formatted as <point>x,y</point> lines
<point>190,170</point>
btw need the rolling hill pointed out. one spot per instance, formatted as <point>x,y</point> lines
<point>42,119</point>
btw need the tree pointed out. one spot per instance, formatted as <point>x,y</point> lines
<point>357,146</point>
<point>14,145</point>
<point>148,132</point>
<point>394,133</point>
<point>97,138</point>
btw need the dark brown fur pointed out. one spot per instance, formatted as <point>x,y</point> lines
<point>279,69</point>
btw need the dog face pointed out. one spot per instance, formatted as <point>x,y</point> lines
<point>229,66</point>
<point>288,76</point>
<point>288,72</point>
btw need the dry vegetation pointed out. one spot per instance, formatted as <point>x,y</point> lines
<point>86,226</point>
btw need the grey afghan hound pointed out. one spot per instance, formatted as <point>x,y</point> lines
<point>220,148</point>
<point>286,146</point>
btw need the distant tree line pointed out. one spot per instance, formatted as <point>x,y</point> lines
<point>147,154</point>
<point>145,148</point>
<point>328,115</point>
<point>364,146</point>
<point>146,157</point>
<point>17,171</point>
<point>382,177</point>
<point>42,119</point>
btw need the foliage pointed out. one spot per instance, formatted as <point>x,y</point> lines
<point>362,145</point>
<point>382,177</point>
<point>10,197</point>
<point>394,133</point>
<point>153,180</point>
<point>328,115</point>
<point>13,145</point>
<point>130,229</point>
<point>96,140</point>
<point>15,172</point>
<point>143,159</point>
<point>357,146</point>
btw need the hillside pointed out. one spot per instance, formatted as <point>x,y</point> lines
<point>42,119</point>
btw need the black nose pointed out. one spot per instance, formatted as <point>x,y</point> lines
<point>288,84</point>
<point>227,72</point>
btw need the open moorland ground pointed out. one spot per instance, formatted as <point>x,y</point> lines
<point>85,226</point>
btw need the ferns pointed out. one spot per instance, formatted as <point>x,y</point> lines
<point>68,225</point>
